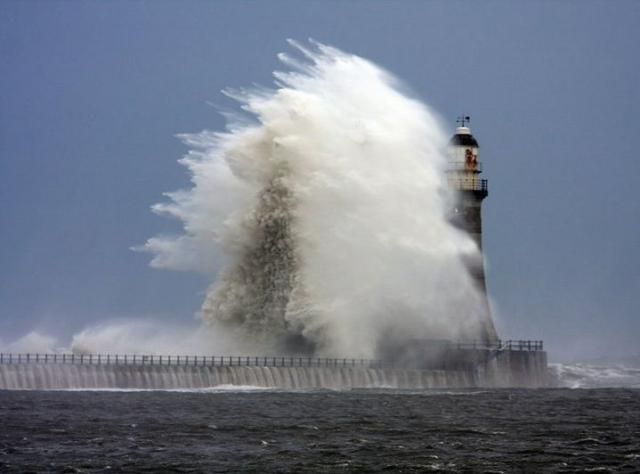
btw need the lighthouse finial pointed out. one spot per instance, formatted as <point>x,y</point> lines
<point>463,119</point>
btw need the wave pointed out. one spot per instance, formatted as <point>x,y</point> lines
<point>586,375</point>
<point>329,212</point>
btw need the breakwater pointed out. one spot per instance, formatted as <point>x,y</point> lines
<point>515,366</point>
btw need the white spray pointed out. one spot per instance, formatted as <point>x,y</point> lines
<point>329,215</point>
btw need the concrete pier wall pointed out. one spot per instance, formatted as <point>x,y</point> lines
<point>481,369</point>
<point>516,369</point>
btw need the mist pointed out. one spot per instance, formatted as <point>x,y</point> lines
<point>327,203</point>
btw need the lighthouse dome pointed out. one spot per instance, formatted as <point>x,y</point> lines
<point>464,138</point>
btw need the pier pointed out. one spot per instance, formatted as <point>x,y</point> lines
<point>442,364</point>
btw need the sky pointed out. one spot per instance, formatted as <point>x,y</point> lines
<point>93,94</point>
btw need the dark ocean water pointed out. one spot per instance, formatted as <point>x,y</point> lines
<point>559,430</point>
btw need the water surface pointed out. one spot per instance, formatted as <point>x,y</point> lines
<point>229,429</point>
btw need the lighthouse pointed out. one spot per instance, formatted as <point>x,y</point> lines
<point>464,170</point>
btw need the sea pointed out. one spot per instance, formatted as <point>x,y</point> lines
<point>587,428</point>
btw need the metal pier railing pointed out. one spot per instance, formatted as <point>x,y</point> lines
<point>262,361</point>
<point>183,360</point>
